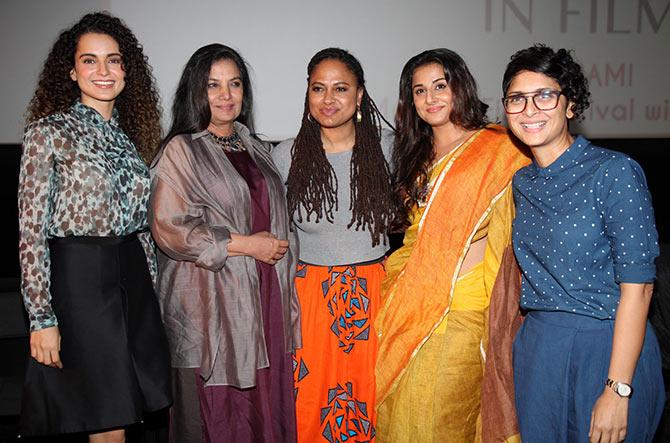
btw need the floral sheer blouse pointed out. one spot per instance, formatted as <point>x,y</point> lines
<point>80,176</point>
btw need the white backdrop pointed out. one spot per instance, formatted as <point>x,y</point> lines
<point>624,46</point>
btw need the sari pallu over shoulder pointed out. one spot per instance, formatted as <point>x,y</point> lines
<point>411,310</point>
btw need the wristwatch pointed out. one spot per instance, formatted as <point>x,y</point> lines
<point>622,389</point>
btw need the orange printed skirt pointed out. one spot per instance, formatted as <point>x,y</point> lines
<point>334,370</point>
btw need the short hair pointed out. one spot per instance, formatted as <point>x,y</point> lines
<point>558,65</point>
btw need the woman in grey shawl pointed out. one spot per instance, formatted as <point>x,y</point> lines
<point>226,262</point>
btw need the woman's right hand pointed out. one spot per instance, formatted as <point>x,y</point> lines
<point>609,418</point>
<point>45,347</point>
<point>266,247</point>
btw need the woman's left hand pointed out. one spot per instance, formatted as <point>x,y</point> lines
<point>609,418</point>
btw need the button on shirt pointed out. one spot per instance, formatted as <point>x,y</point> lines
<point>584,224</point>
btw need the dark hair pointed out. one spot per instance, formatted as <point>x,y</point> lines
<point>138,103</point>
<point>413,148</point>
<point>190,108</point>
<point>558,65</point>
<point>312,184</point>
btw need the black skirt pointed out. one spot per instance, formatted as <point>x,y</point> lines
<point>114,350</point>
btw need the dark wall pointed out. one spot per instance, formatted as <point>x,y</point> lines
<point>9,178</point>
<point>654,157</point>
<point>652,154</point>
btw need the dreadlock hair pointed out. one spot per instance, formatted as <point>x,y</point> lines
<point>138,103</point>
<point>190,108</point>
<point>312,184</point>
<point>413,147</point>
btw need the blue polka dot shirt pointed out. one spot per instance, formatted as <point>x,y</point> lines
<point>583,225</point>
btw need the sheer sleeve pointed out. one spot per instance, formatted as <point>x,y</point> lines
<point>35,197</point>
<point>150,252</point>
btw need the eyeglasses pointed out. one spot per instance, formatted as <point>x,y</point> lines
<point>544,100</point>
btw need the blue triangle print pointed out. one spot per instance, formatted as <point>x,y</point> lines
<point>364,335</point>
<point>324,414</point>
<point>328,433</point>
<point>364,284</point>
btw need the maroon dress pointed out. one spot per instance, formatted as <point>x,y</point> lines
<point>265,413</point>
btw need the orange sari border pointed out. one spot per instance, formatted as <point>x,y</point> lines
<point>486,168</point>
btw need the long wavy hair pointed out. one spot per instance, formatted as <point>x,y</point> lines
<point>413,148</point>
<point>312,184</point>
<point>138,103</point>
<point>190,108</point>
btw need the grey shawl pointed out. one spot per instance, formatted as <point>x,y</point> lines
<point>210,301</point>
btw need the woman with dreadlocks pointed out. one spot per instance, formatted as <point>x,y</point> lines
<point>339,196</point>
<point>444,367</point>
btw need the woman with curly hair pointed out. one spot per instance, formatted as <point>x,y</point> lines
<point>586,360</point>
<point>227,262</point>
<point>99,352</point>
<point>339,195</point>
<point>450,306</point>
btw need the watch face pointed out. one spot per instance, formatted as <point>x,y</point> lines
<point>623,390</point>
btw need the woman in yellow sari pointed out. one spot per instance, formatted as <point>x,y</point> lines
<point>451,292</point>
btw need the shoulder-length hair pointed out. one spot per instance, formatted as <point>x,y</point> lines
<point>190,108</point>
<point>138,103</point>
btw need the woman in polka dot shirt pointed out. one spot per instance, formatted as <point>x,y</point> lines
<point>586,361</point>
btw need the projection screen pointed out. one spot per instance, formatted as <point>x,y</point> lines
<point>624,46</point>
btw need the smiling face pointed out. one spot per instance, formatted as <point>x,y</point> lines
<point>98,71</point>
<point>432,96</point>
<point>545,130</point>
<point>333,94</point>
<point>225,95</point>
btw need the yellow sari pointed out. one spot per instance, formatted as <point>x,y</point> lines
<point>434,324</point>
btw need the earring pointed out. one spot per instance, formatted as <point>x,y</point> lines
<point>309,117</point>
<point>359,116</point>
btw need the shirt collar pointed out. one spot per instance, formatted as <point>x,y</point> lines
<point>90,115</point>
<point>561,163</point>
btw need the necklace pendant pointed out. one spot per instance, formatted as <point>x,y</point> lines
<point>231,142</point>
